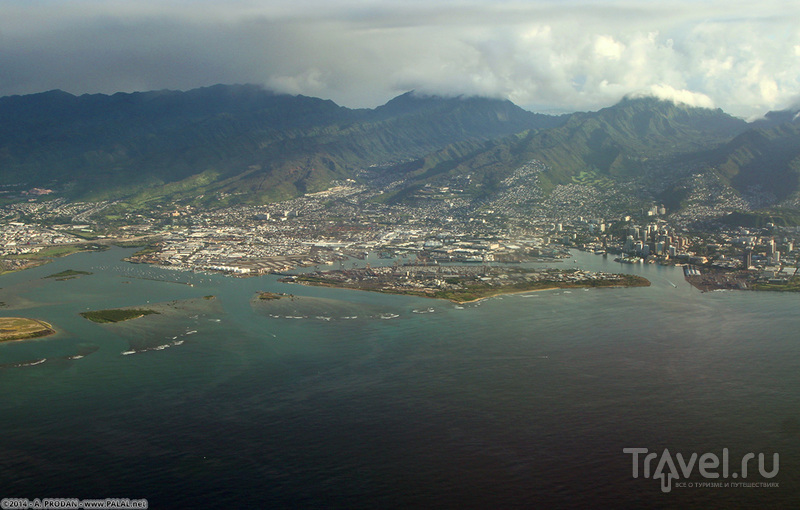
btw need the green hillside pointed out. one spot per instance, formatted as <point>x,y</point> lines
<point>615,142</point>
<point>769,159</point>
<point>229,143</point>
<point>224,145</point>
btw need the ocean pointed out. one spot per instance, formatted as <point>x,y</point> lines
<point>347,399</point>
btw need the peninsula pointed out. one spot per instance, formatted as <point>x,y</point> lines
<point>462,284</point>
<point>19,328</point>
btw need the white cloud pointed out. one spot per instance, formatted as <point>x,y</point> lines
<point>606,46</point>
<point>683,96</point>
<point>741,56</point>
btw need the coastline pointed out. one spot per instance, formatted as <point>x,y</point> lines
<point>113,316</point>
<point>44,329</point>
<point>499,292</point>
<point>34,263</point>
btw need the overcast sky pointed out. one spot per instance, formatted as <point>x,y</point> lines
<point>742,56</point>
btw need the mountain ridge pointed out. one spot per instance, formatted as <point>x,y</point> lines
<point>229,144</point>
<point>614,142</point>
<point>281,145</point>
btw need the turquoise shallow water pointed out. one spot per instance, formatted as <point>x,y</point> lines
<point>515,401</point>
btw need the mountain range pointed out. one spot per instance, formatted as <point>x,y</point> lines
<point>228,140</point>
<point>242,144</point>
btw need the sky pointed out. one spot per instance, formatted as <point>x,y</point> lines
<point>544,55</point>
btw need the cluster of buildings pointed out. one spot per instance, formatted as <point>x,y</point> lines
<point>438,222</point>
<point>17,238</point>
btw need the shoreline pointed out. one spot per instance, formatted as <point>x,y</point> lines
<point>645,283</point>
<point>523,292</point>
<point>39,263</point>
<point>45,329</point>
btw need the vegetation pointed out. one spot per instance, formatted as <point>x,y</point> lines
<point>792,285</point>
<point>58,251</point>
<point>68,274</point>
<point>18,328</point>
<point>778,217</point>
<point>147,249</point>
<point>597,149</point>
<point>48,253</point>
<point>228,144</point>
<point>475,290</point>
<point>89,236</point>
<point>224,145</point>
<point>140,243</point>
<point>766,159</point>
<point>116,314</point>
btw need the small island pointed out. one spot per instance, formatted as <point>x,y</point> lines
<point>463,284</point>
<point>19,328</point>
<point>269,296</point>
<point>68,274</point>
<point>116,314</point>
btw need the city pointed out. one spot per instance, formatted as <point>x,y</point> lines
<point>439,225</point>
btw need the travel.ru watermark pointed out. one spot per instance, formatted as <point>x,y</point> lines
<point>672,471</point>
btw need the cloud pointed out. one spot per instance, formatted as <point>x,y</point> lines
<point>606,46</point>
<point>568,55</point>
<point>685,97</point>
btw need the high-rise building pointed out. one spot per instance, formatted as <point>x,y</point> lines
<point>628,244</point>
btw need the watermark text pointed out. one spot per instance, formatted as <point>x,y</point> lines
<point>709,465</point>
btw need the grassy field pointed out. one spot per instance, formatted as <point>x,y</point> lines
<point>18,328</point>
<point>593,178</point>
<point>793,285</point>
<point>47,253</point>
<point>58,251</point>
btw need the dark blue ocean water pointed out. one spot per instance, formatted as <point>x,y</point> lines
<point>514,402</point>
